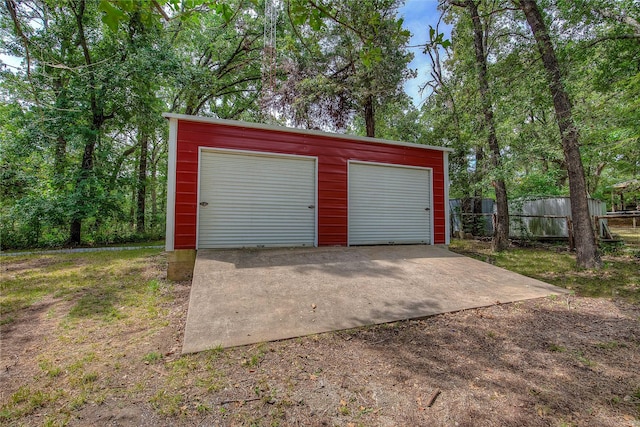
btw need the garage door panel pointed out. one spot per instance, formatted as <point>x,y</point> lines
<point>256,200</point>
<point>388,204</point>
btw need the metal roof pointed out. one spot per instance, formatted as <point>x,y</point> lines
<point>626,184</point>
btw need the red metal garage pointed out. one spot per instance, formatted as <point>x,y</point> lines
<point>238,184</point>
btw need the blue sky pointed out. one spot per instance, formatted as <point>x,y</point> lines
<point>418,15</point>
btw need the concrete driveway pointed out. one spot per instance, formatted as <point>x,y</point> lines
<point>247,296</point>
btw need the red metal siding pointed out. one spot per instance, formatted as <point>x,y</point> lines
<point>333,155</point>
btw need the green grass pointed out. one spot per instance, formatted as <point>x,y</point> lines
<point>152,357</point>
<point>619,277</point>
<point>103,307</point>
<point>82,296</point>
<point>24,401</point>
<point>98,283</point>
<point>631,236</point>
<point>49,369</point>
<point>609,345</point>
<point>556,348</point>
<point>253,360</point>
<point>167,403</point>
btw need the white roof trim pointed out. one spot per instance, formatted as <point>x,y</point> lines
<point>236,123</point>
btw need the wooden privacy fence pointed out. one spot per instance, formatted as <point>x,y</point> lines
<point>567,220</point>
<point>633,216</point>
<point>601,228</point>
<point>513,218</point>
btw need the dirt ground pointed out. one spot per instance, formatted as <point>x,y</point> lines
<point>565,361</point>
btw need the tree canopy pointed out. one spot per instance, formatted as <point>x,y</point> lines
<point>83,144</point>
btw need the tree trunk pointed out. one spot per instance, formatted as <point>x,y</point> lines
<point>478,225</point>
<point>369,117</point>
<point>75,231</point>
<point>134,196</point>
<point>587,255</point>
<point>75,236</point>
<point>97,120</point>
<point>477,221</point>
<point>154,184</point>
<point>501,233</point>
<point>467,223</point>
<point>142,182</point>
<point>155,155</point>
<point>59,162</point>
<point>60,151</point>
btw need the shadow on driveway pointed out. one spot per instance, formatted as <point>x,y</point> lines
<point>247,296</point>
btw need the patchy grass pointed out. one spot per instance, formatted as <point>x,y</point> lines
<point>152,357</point>
<point>618,278</point>
<point>167,403</point>
<point>76,307</point>
<point>630,235</point>
<point>99,285</point>
<point>254,359</point>
<point>94,339</point>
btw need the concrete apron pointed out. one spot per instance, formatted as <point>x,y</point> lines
<point>248,296</point>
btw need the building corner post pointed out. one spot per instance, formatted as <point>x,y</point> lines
<point>180,263</point>
<point>447,220</point>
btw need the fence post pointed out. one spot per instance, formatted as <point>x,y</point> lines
<point>570,232</point>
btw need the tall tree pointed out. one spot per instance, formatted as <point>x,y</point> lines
<point>501,230</point>
<point>99,114</point>
<point>220,58</point>
<point>352,60</point>
<point>84,83</point>
<point>587,255</point>
<point>604,51</point>
<point>72,48</point>
<point>454,83</point>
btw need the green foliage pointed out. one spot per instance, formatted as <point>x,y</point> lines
<point>398,120</point>
<point>436,39</point>
<point>350,59</point>
<point>225,80</point>
<point>537,183</point>
<point>65,126</point>
<point>114,12</point>
<point>599,68</point>
<point>78,120</point>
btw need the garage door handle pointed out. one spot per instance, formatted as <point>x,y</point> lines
<point>311,206</point>
<point>203,203</point>
<point>427,209</point>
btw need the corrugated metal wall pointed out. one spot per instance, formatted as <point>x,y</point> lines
<point>333,155</point>
<point>546,227</point>
<point>521,227</point>
<point>488,207</point>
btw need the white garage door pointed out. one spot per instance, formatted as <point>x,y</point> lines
<point>389,204</point>
<point>253,200</point>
